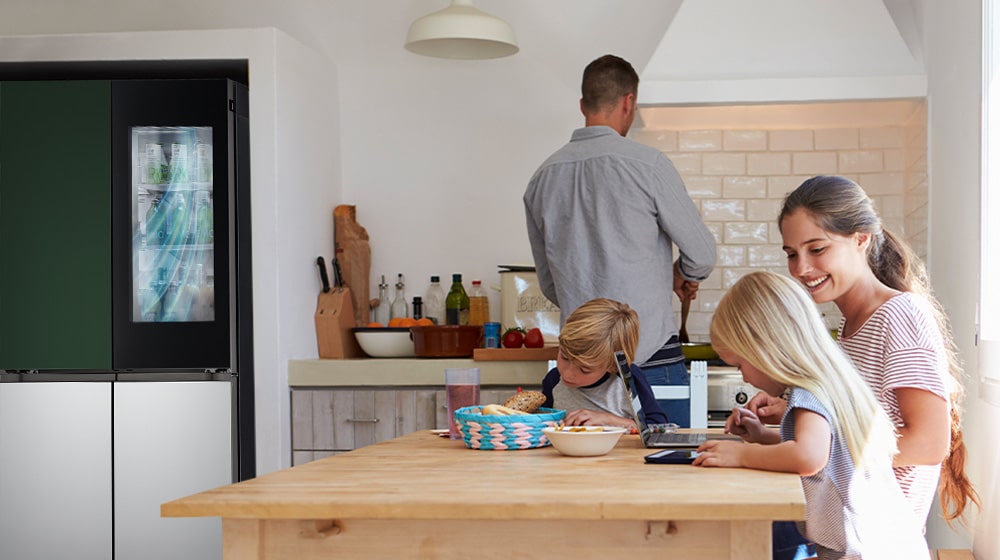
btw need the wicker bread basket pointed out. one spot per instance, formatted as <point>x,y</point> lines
<point>491,431</point>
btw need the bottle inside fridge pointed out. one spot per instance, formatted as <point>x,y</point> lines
<point>173,248</point>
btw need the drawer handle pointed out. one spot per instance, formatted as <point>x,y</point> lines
<point>368,420</point>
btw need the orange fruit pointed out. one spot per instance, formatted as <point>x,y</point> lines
<point>396,321</point>
<point>373,324</point>
<point>407,322</point>
<point>424,322</point>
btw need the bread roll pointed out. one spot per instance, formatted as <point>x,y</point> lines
<point>526,402</point>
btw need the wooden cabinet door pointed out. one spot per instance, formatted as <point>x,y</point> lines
<point>55,225</point>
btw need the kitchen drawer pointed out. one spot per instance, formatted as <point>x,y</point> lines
<point>330,421</point>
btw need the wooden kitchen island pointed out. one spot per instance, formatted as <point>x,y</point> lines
<point>427,497</point>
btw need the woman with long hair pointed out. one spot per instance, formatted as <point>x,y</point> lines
<point>893,329</point>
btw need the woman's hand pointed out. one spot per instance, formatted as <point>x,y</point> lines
<point>587,417</point>
<point>767,408</point>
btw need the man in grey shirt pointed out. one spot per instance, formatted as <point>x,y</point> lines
<point>603,214</point>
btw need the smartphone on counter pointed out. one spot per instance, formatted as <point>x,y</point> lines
<point>672,457</point>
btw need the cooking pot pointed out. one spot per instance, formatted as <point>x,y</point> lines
<point>446,341</point>
<point>698,351</point>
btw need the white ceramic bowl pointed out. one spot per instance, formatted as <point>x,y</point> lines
<point>385,342</point>
<point>584,441</point>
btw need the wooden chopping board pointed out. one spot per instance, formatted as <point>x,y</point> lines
<point>515,354</point>
<point>355,257</point>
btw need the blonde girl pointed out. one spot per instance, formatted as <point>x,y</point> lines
<point>833,434</point>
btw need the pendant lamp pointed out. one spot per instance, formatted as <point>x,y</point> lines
<point>461,31</point>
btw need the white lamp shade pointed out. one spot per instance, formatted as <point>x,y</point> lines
<point>461,31</point>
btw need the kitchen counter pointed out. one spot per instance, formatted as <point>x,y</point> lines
<point>364,372</point>
<point>422,496</point>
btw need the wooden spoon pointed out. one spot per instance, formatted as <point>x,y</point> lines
<point>682,335</point>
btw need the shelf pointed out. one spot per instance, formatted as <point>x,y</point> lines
<point>515,354</point>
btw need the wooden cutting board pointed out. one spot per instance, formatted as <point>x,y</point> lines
<point>515,354</point>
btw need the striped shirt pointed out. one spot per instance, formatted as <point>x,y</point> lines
<point>900,346</point>
<point>853,513</point>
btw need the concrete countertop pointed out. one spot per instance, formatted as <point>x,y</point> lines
<point>382,372</point>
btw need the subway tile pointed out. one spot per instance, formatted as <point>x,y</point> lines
<point>882,137</point>
<point>699,186</point>
<point>893,160</point>
<point>774,233</point>
<point>715,228</point>
<point>860,161</point>
<point>663,140</point>
<point>709,299</point>
<point>731,255</point>
<point>837,139</point>
<point>779,163</point>
<point>891,207</point>
<point>779,186</point>
<point>713,282</point>
<point>723,164</point>
<point>744,187</point>
<point>763,256</point>
<point>744,140</point>
<point>732,275</point>
<point>699,140</point>
<point>686,164</point>
<point>881,183</point>
<point>745,233</point>
<point>790,140</point>
<point>763,210</point>
<point>814,163</point>
<point>723,210</point>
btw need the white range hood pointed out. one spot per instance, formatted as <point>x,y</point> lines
<point>734,51</point>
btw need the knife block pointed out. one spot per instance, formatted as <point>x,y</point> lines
<point>334,321</point>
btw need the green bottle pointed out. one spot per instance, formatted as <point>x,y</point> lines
<point>456,305</point>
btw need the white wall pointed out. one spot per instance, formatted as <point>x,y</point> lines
<point>953,45</point>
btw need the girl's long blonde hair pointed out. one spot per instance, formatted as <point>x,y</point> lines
<point>769,321</point>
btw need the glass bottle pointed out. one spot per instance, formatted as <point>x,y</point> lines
<point>457,303</point>
<point>399,306</point>
<point>154,223</point>
<point>418,307</point>
<point>434,301</point>
<point>479,304</point>
<point>204,231</point>
<point>382,310</point>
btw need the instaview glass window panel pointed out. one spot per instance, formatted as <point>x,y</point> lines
<point>173,236</point>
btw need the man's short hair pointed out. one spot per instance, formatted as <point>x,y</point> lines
<point>605,81</point>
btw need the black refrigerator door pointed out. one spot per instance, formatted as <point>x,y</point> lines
<point>174,193</point>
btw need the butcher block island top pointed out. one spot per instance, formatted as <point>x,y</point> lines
<point>410,372</point>
<point>389,500</point>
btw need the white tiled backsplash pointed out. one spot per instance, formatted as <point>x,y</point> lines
<point>739,175</point>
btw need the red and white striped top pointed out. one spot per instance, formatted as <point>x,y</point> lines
<point>900,346</point>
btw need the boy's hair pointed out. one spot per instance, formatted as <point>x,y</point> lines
<point>769,321</point>
<point>605,81</point>
<point>596,330</point>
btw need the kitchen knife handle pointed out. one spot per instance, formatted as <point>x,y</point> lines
<point>338,278</point>
<point>322,273</point>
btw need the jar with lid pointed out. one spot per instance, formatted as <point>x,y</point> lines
<point>479,304</point>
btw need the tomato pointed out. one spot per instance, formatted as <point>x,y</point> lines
<point>534,339</point>
<point>513,338</point>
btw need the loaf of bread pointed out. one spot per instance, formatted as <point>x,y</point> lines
<point>500,410</point>
<point>527,402</point>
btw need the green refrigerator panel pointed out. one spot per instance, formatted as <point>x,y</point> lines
<point>55,225</point>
